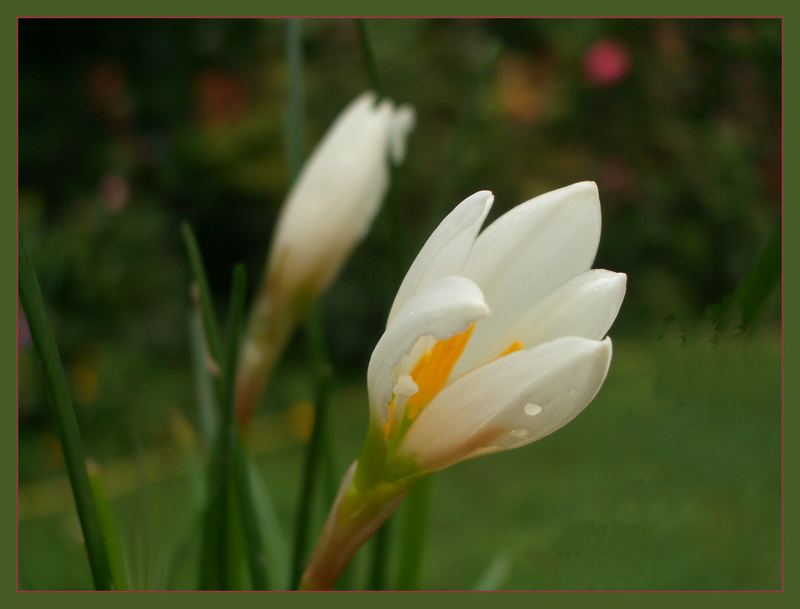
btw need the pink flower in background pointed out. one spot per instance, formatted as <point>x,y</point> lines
<point>606,63</point>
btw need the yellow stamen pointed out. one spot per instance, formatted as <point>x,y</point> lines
<point>515,346</point>
<point>433,369</point>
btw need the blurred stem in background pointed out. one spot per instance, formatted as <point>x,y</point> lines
<point>442,202</point>
<point>228,479</point>
<point>755,287</point>
<point>66,423</point>
<point>381,544</point>
<point>414,529</point>
<point>369,58</point>
<point>319,446</point>
<point>314,454</point>
<point>294,131</point>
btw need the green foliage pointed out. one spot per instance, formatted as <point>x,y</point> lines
<point>85,497</point>
<point>670,479</point>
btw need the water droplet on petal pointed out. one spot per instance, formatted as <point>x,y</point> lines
<point>519,433</point>
<point>532,409</point>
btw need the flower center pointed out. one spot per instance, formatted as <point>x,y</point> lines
<point>434,367</point>
<point>431,372</point>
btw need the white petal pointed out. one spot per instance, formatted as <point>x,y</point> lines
<point>447,249</point>
<point>402,123</point>
<point>337,194</point>
<point>444,308</point>
<point>530,251</point>
<point>512,401</point>
<point>585,306</point>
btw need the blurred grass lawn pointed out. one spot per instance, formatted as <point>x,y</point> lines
<point>670,479</point>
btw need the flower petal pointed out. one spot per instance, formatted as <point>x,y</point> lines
<point>447,249</point>
<point>510,402</point>
<point>530,251</point>
<point>402,123</point>
<point>337,193</point>
<point>443,308</point>
<point>585,306</point>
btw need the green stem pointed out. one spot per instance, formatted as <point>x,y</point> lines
<point>252,531</point>
<point>228,424</point>
<point>369,58</point>
<point>229,470</point>
<point>215,556</point>
<point>294,123</point>
<point>330,480</point>
<point>413,533</point>
<point>268,522</point>
<point>380,552</point>
<point>466,123</point>
<point>356,515</point>
<point>66,422</point>
<point>314,449</point>
<point>321,369</point>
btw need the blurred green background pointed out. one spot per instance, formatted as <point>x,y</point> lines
<point>671,479</point>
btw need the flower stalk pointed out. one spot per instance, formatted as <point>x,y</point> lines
<point>371,490</point>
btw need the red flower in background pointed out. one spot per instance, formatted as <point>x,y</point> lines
<point>605,63</point>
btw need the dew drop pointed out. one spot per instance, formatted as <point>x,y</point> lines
<point>519,433</point>
<point>532,409</point>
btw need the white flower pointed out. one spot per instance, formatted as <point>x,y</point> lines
<point>338,192</point>
<point>329,209</point>
<point>495,340</point>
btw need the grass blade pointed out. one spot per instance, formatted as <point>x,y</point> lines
<point>209,315</point>
<point>219,523</point>
<point>108,524</point>
<point>495,575</point>
<point>229,469</point>
<point>207,409</point>
<point>236,575</point>
<point>212,553</point>
<point>181,553</point>
<point>275,540</point>
<point>65,419</point>
<point>250,525</point>
<point>756,287</point>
